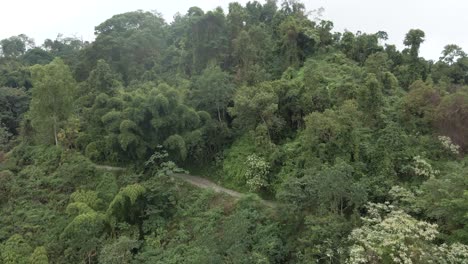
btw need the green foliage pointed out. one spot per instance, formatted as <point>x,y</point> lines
<point>205,233</point>
<point>133,124</point>
<point>13,104</point>
<point>445,199</point>
<point>331,189</point>
<point>322,238</point>
<point>335,133</point>
<point>176,143</point>
<point>15,250</point>
<point>51,102</point>
<point>213,92</point>
<point>5,137</point>
<point>413,39</point>
<point>370,97</point>
<point>234,167</point>
<point>266,98</point>
<point>90,198</point>
<point>83,236</point>
<point>123,207</point>
<point>39,256</point>
<point>419,105</point>
<point>327,81</point>
<point>101,80</point>
<point>130,42</point>
<point>119,251</point>
<point>451,115</point>
<point>16,45</point>
<point>360,46</point>
<point>37,56</point>
<point>256,105</point>
<point>107,187</point>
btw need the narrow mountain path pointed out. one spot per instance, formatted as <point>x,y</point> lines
<point>206,184</point>
<point>198,182</point>
<point>108,168</point>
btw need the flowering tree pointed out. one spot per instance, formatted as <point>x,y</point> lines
<point>390,235</point>
<point>257,172</point>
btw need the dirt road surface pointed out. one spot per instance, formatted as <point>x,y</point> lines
<point>207,184</point>
<point>196,181</point>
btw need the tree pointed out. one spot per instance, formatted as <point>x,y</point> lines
<point>419,105</point>
<point>415,67</point>
<point>451,118</point>
<point>5,137</point>
<point>330,189</point>
<point>14,74</point>
<point>254,105</point>
<point>360,46</point>
<point>413,39</point>
<point>296,33</point>
<point>390,235</point>
<point>15,46</point>
<point>13,104</point>
<point>127,205</point>
<point>119,251</point>
<point>213,91</point>
<point>52,101</point>
<point>257,172</point>
<point>37,56</point>
<point>378,63</point>
<point>82,235</point>
<point>252,50</point>
<point>371,98</point>
<point>39,256</point>
<point>101,80</point>
<point>452,53</point>
<point>131,43</point>
<point>15,250</point>
<point>334,133</point>
<point>207,37</point>
<point>444,199</point>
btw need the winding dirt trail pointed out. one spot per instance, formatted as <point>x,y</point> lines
<point>206,184</point>
<point>108,168</point>
<point>196,181</point>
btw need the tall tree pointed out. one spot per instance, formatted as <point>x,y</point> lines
<point>15,46</point>
<point>413,39</point>
<point>452,53</point>
<point>52,101</point>
<point>256,105</point>
<point>213,91</point>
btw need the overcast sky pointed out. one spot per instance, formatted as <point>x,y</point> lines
<point>443,22</point>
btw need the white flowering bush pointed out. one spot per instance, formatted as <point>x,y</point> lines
<point>395,237</point>
<point>447,143</point>
<point>405,199</point>
<point>390,235</point>
<point>423,168</point>
<point>257,172</point>
<point>448,254</point>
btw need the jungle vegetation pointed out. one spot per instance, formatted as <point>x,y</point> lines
<point>361,147</point>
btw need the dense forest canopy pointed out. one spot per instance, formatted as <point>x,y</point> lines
<point>341,149</point>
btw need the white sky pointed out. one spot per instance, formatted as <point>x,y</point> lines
<point>443,22</point>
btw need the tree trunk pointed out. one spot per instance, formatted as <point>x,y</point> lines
<point>268,129</point>
<point>55,130</point>
<point>219,113</point>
